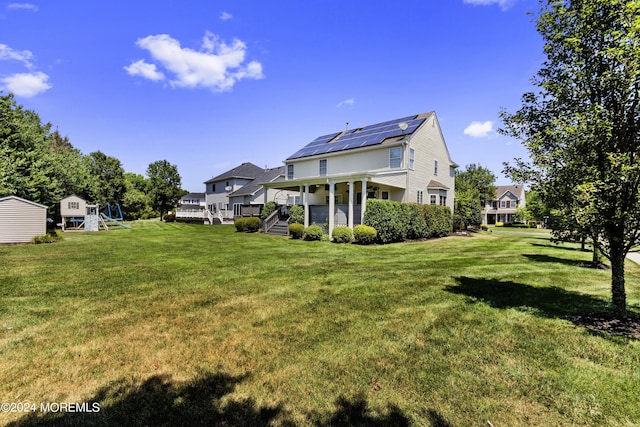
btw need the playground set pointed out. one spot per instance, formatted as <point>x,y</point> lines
<point>77,215</point>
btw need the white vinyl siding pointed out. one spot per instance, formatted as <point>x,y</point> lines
<point>21,220</point>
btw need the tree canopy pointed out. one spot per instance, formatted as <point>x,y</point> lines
<point>474,186</point>
<point>581,127</point>
<point>164,186</point>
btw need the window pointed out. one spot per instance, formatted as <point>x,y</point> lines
<point>395,157</point>
<point>74,205</point>
<point>237,209</point>
<point>385,195</point>
<point>213,187</point>
<point>503,204</point>
<point>323,167</point>
<point>419,197</point>
<point>412,158</point>
<point>432,199</point>
<point>435,167</point>
<point>443,200</point>
<point>289,171</point>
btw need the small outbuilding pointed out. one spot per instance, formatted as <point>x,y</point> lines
<point>21,220</point>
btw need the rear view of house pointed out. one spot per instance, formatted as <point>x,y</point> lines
<point>21,220</point>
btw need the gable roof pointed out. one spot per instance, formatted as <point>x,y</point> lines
<point>516,190</point>
<point>22,200</point>
<point>246,170</point>
<point>266,175</point>
<point>366,136</point>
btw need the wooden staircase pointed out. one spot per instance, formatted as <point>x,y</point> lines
<point>281,228</point>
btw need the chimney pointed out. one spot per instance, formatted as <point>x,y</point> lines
<point>346,129</point>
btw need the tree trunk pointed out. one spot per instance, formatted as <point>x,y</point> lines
<point>618,294</point>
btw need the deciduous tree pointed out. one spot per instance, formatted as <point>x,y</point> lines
<point>581,127</point>
<point>164,186</point>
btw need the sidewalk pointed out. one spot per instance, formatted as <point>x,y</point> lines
<point>634,256</point>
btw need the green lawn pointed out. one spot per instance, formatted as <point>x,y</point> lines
<point>177,324</point>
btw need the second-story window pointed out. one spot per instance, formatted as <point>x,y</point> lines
<point>435,167</point>
<point>412,158</point>
<point>395,157</point>
<point>289,171</point>
<point>323,167</point>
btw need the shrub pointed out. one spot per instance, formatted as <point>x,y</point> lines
<point>417,227</point>
<point>364,234</point>
<point>253,224</point>
<point>439,220</point>
<point>313,232</point>
<point>342,234</point>
<point>387,218</point>
<point>296,214</point>
<point>268,209</point>
<point>296,230</point>
<point>240,224</point>
<point>171,217</point>
<point>484,227</point>
<point>44,238</point>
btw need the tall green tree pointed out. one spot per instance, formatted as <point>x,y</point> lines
<point>474,186</point>
<point>581,127</point>
<point>26,167</point>
<point>164,186</point>
<point>108,173</point>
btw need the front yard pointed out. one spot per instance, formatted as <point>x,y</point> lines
<point>181,324</point>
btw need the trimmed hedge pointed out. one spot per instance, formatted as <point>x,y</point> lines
<point>396,221</point>
<point>296,230</point>
<point>364,234</point>
<point>249,225</point>
<point>342,234</point>
<point>313,232</point>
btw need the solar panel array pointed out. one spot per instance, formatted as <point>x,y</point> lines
<point>357,138</point>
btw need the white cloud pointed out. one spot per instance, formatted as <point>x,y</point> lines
<point>348,102</point>
<point>504,4</point>
<point>225,16</point>
<point>217,66</point>
<point>26,6</point>
<point>24,56</point>
<point>479,129</point>
<point>146,70</point>
<point>26,84</point>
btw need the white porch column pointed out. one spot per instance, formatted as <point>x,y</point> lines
<point>306,205</point>
<point>332,207</point>
<point>301,191</point>
<point>363,206</point>
<point>351,191</point>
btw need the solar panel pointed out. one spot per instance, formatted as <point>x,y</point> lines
<point>360,137</point>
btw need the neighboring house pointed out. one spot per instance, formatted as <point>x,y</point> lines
<point>21,220</point>
<point>192,201</point>
<point>405,160</point>
<point>240,191</point>
<point>503,207</point>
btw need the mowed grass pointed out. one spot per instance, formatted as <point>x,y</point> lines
<point>178,324</point>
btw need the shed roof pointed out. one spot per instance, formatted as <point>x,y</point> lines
<point>22,200</point>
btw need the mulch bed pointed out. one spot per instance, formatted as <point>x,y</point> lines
<point>628,327</point>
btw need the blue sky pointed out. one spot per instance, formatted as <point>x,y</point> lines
<point>208,85</point>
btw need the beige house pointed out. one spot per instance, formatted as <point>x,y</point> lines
<point>72,210</point>
<point>21,220</point>
<point>405,160</point>
<point>503,207</point>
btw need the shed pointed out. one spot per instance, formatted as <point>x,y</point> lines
<point>21,220</point>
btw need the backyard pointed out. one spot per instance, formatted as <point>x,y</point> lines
<point>183,324</point>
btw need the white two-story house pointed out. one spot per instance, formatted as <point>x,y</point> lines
<point>503,207</point>
<point>405,160</point>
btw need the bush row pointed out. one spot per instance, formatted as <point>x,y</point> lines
<point>248,225</point>
<point>395,221</point>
